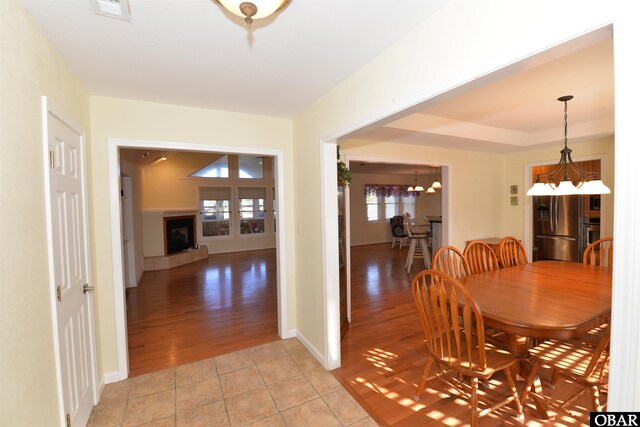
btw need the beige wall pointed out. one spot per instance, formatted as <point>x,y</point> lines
<point>120,118</point>
<point>366,233</point>
<point>29,69</point>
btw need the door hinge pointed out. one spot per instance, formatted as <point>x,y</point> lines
<point>52,159</point>
<point>58,293</point>
<point>68,420</point>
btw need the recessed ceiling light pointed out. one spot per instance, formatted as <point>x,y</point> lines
<point>118,9</point>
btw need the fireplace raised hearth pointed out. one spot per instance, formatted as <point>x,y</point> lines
<point>179,234</point>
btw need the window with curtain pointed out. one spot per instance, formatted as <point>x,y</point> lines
<point>251,203</point>
<point>384,201</point>
<point>215,211</point>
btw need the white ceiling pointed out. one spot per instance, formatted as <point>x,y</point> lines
<point>520,111</point>
<point>192,52</point>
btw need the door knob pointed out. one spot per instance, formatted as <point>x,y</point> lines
<point>86,288</point>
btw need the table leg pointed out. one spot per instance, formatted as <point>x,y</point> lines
<point>519,347</point>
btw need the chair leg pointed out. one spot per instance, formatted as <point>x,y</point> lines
<point>423,379</point>
<point>412,249</point>
<point>555,373</point>
<point>474,402</point>
<point>595,399</point>
<point>425,253</point>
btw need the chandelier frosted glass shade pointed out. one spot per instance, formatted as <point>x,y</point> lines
<point>431,190</point>
<point>566,188</point>
<point>595,186</point>
<point>255,9</point>
<point>436,184</point>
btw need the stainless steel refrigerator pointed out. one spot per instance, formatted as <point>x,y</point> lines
<point>558,227</point>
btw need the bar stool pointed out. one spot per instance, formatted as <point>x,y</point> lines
<point>418,247</point>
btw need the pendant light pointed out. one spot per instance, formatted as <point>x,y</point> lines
<point>416,187</point>
<point>588,182</point>
<point>436,183</point>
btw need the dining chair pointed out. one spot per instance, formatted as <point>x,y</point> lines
<point>599,252</point>
<point>398,232</point>
<point>480,257</point>
<point>582,364</point>
<point>450,260</point>
<point>418,245</point>
<point>511,252</point>
<point>456,347</point>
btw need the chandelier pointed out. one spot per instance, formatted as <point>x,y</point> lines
<point>588,182</point>
<point>256,9</point>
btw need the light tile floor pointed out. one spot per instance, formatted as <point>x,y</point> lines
<point>275,384</point>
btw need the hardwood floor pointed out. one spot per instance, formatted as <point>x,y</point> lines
<point>225,303</point>
<point>383,353</point>
<point>228,303</point>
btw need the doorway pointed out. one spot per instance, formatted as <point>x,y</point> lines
<point>360,230</point>
<point>114,145</point>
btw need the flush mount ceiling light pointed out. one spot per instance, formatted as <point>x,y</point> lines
<point>256,9</point>
<point>588,182</point>
<point>416,187</point>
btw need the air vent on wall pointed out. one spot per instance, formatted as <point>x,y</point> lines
<point>113,8</point>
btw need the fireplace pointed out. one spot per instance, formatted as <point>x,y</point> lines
<point>179,233</point>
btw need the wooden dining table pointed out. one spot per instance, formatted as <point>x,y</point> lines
<point>543,299</point>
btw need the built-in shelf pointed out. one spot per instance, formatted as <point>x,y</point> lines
<point>175,260</point>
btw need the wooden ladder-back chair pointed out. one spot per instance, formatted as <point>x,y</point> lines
<point>585,365</point>
<point>511,252</point>
<point>480,257</point>
<point>449,260</point>
<point>454,328</point>
<point>599,252</point>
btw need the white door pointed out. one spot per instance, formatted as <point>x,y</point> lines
<point>71,270</point>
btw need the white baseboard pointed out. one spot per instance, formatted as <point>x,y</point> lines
<point>112,377</point>
<point>314,351</point>
<point>291,333</point>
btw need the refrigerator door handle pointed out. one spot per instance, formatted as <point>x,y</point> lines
<point>552,220</point>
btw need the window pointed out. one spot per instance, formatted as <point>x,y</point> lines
<point>386,201</point>
<point>408,205</point>
<point>250,167</point>
<point>215,211</point>
<point>216,169</point>
<point>373,207</point>
<point>252,209</point>
<point>390,206</point>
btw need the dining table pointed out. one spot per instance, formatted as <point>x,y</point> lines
<point>542,300</point>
